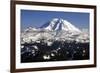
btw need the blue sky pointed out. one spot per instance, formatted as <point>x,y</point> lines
<point>36,18</point>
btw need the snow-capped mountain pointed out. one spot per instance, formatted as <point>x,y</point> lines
<point>30,29</point>
<point>56,29</point>
<point>58,24</point>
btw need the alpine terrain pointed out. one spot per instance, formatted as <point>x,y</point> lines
<point>56,29</point>
<point>55,40</point>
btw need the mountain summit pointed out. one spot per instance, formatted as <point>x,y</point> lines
<point>58,24</point>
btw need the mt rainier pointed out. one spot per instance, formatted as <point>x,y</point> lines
<point>60,24</point>
<point>56,29</point>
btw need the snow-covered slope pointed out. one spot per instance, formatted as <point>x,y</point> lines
<point>30,29</point>
<point>58,24</point>
<point>56,29</point>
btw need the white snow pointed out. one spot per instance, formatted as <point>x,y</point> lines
<point>67,26</point>
<point>53,32</point>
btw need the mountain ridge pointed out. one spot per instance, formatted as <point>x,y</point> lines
<point>56,29</point>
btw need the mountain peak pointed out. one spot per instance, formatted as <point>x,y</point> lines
<point>30,29</point>
<point>59,28</point>
<point>57,24</point>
